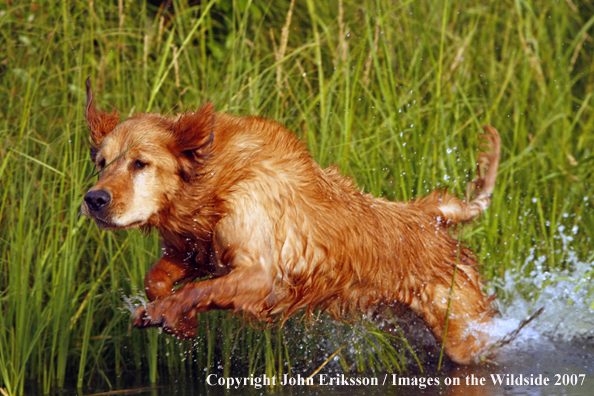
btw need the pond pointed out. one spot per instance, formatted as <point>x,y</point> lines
<point>541,366</point>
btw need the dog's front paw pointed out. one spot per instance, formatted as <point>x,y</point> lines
<point>169,313</point>
<point>141,317</point>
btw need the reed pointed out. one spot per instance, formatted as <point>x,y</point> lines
<point>393,92</point>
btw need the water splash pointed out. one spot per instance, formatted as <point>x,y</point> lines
<point>566,297</point>
<point>133,301</point>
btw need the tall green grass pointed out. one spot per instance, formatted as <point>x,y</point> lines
<point>393,92</point>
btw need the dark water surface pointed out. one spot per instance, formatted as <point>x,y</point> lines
<point>568,367</point>
<point>557,362</point>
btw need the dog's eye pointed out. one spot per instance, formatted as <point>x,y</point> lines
<point>101,163</point>
<point>93,153</point>
<point>138,164</point>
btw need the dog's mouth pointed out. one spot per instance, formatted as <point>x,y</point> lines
<point>104,225</point>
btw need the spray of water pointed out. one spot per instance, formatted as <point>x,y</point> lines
<point>130,303</point>
<point>566,297</point>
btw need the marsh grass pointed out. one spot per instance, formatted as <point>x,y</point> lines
<point>392,92</point>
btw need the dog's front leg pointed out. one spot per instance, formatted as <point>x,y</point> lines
<point>247,289</point>
<point>173,268</point>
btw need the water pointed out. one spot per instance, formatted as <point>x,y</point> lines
<point>558,362</point>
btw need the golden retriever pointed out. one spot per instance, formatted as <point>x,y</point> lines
<point>239,200</point>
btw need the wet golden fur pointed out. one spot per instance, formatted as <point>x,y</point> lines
<point>241,199</point>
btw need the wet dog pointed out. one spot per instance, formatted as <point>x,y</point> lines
<point>239,201</point>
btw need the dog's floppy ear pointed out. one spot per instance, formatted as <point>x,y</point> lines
<point>100,123</point>
<point>194,134</point>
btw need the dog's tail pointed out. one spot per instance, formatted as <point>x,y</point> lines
<point>457,211</point>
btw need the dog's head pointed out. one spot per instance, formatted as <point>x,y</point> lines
<point>142,163</point>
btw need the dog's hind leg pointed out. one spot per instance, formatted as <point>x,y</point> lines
<point>456,210</point>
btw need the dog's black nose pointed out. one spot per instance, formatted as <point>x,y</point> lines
<point>97,200</point>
